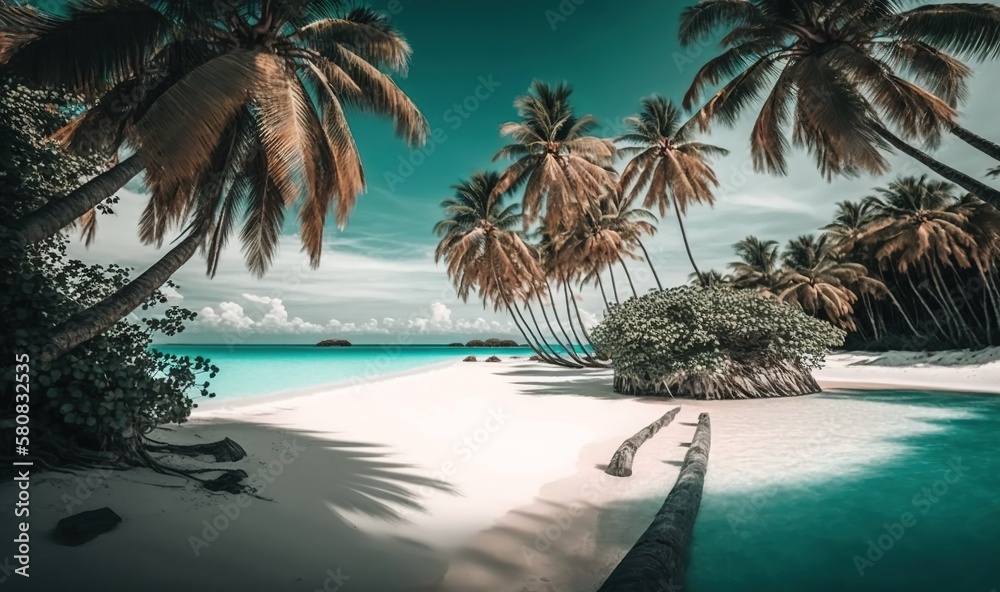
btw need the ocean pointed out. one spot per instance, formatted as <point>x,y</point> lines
<point>254,370</point>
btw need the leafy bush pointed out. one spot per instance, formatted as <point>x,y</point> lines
<point>104,394</point>
<point>713,343</point>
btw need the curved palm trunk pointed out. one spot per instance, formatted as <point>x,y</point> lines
<point>529,340</point>
<point>949,302</point>
<point>535,343</point>
<point>687,247</point>
<point>572,326</point>
<point>557,359</point>
<point>628,276</point>
<point>60,213</point>
<point>906,317</point>
<point>927,307</point>
<point>614,284</point>
<point>980,143</point>
<point>604,294</point>
<point>572,344</point>
<point>649,261</point>
<point>567,348</point>
<point>980,190</point>
<point>93,321</point>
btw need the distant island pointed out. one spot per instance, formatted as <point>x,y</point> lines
<point>491,342</point>
<point>334,343</point>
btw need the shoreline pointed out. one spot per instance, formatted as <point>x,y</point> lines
<point>466,477</point>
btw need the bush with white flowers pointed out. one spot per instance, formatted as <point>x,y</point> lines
<point>713,343</point>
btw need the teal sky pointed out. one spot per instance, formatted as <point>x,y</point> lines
<point>470,61</point>
<point>378,281</point>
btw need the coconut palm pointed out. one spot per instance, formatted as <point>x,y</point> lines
<point>758,267</point>
<point>849,222</point>
<point>233,110</point>
<point>834,72</point>
<point>675,168</point>
<point>485,252</point>
<point>562,168</point>
<point>713,278</point>
<point>917,231</point>
<point>817,282</point>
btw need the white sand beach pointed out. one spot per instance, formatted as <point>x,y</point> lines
<point>469,477</point>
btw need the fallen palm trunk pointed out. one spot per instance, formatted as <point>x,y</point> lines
<point>621,462</point>
<point>659,558</point>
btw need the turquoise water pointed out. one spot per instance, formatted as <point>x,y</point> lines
<point>906,524</point>
<point>249,370</point>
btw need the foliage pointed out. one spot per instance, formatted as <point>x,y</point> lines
<point>912,267</point>
<point>108,391</point>
<point>712,343</point>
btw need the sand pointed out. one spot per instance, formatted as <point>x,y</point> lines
<point>466,477</point>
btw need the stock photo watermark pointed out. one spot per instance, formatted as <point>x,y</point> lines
<point>231,511</point>
<point>923,501</point>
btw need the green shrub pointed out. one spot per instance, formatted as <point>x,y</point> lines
<point>105,393</point>
<point>713,343</point>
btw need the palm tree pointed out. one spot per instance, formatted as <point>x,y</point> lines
<point>834,72</point>
<point>916,229</point>
<point>484,252</point>
<point>675,168</point>
<point>849,222</point>
<point>758,267</point>
<point>818,283</point>
<point>562,168</point>
<point>713,278</point>
<point>240,113</point>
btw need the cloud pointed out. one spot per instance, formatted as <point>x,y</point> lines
<point>268,315</point>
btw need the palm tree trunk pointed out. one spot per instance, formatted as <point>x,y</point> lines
<point>950,302</point>
<point>579,317</point>
<point>927,307</point>
<point>628,276</point>
<point>687,247</point>
<point>980,190</point>
<point>906,317</point>
<point>570,350</point>
<point>604,294</point>
<point>572,326</point>
<point>981,144</point>
<point>93,321</point>
<point>645,254</point>
<point>530,340</point>
<point>59,213</point>
<point>536,343</point>
<point>545,342</point>
<point>614,284</point>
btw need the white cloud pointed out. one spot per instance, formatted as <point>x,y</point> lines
<point>269,316</point>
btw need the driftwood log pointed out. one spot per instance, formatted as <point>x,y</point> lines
<point>224,450</point>
<point>621,462</point>
<point>659,558</point>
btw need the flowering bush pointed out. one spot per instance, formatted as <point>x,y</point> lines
<point>713,343</point>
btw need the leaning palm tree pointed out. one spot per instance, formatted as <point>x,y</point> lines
<point>562,167</point>
<point>919,235</point>
<point>486,253</point>
<point>758,267</point>
<point>834,72</point>
<point>235,111</point>
<point>849,222</point>
<point>675,168</point>
<point>817,282</point>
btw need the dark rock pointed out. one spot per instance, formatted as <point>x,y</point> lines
<point>470,359</point>
<point>334,343</point>
<point>535,358</point>
<point>456,345</point>
<point>230,482</point>
<point>492,359</point>
<point>492,342</point>
<point>86,526</point>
